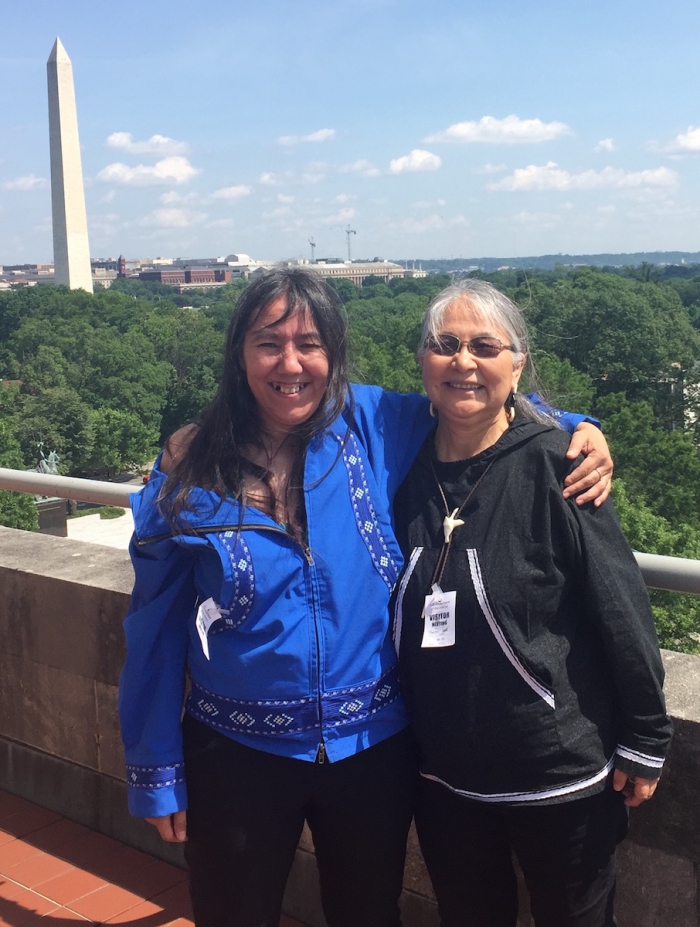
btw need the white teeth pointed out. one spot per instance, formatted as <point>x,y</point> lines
<point>465,386</point>
<point>290,390</point>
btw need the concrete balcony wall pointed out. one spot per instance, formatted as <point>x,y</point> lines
<point>61,648</point>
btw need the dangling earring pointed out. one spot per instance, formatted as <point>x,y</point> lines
<point>510,404</point>
<point>433,411</point>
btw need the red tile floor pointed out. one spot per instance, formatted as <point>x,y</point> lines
<point>56,873</point>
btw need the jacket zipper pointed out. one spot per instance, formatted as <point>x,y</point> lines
<point>321,752</point>
<point>217,529</point>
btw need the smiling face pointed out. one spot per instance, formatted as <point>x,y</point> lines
<point>469,393</point>
<point>286,366</point>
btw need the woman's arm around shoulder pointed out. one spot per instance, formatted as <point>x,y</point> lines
<point>590,481</point>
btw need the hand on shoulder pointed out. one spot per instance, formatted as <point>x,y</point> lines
<point>176,447</point>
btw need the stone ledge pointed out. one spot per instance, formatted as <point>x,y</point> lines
<point>61,558</point>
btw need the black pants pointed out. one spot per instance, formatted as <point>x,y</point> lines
<point>246,813</point>
<point>566,852</point>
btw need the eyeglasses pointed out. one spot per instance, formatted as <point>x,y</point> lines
<point>448,345</point>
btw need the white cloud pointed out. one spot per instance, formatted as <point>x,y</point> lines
<point>28,182</point>
<point>509,131</point>
<point>268,178</point>
<point>430,224</point>
<point>321,135</point>
<point>416,160</point>
<point>232,193</point>
<point>687,142</point>
<point>315,172</point>
<point>279,213</point>
<point>170,170</point>
<point>343,215</point>
<point>283,198</point>
<point>156,144</point>
<point>362,166</point>
<point>551,177</point>
<point>605,144</point>
<point>492,169</point>
<point>172,196</point>
<point>172,218</point>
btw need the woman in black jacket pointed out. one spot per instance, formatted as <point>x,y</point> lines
<point>527,646</point>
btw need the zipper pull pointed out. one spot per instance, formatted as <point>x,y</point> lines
<point>321,755</point>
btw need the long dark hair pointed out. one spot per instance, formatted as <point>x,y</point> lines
<point>214,457</point>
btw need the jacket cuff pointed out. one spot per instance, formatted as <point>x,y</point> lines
<point>635,763</point>
<point>155,791</point>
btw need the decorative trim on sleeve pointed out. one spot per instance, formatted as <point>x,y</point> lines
<point>365,513</point>
<point>634,756</point>
<point>154,777</point>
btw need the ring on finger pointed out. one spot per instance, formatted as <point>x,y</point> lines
<point>596,470</point>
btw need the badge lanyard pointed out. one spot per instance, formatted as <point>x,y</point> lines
<point>450,522</point>
<point>440,608</point>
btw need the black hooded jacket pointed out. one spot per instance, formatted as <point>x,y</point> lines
<point>555,674</point>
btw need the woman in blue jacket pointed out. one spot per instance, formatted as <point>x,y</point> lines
<point>264,557</point>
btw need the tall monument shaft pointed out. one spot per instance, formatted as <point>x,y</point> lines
<point>71,252</point>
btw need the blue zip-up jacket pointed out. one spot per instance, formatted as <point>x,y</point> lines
<point>292,652</point>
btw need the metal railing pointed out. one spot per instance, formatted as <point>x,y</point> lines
<point>67,487</point>
<point>675,574</point>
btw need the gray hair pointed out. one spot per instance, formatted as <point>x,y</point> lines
<point>489,305</point>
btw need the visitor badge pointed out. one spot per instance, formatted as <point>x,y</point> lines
<point>207,614</point>
<point>439,618</point>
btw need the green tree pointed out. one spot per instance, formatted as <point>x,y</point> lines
<point>677,616</point>
<point>17,509</point>
<point>63,421</point>
<point>660,469</point>
<point>626,335</point>
<point>121,440</point>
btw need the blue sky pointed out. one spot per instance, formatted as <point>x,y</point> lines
<point>434,130</point>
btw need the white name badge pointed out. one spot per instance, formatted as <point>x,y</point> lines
<point>439,619</point>
<point>207,614</point>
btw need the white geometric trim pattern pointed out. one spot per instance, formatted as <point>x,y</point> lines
<point>365,513</point>
<point>154,777</point>
<point>243,582</point>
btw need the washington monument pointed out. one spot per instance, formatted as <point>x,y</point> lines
<point>71,252</point>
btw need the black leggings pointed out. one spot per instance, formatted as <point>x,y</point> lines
<point>246,813</point>
<point>566,852</point>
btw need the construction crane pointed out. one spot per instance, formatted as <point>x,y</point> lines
<point>313,250</point>
<point>348,233</point>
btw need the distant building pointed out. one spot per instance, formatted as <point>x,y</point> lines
<point>188,277</point>
<point>354,271</point>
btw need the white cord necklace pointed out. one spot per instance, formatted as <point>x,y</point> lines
<point>450,522</point>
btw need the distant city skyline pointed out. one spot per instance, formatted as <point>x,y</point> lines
<point>455,130</point>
